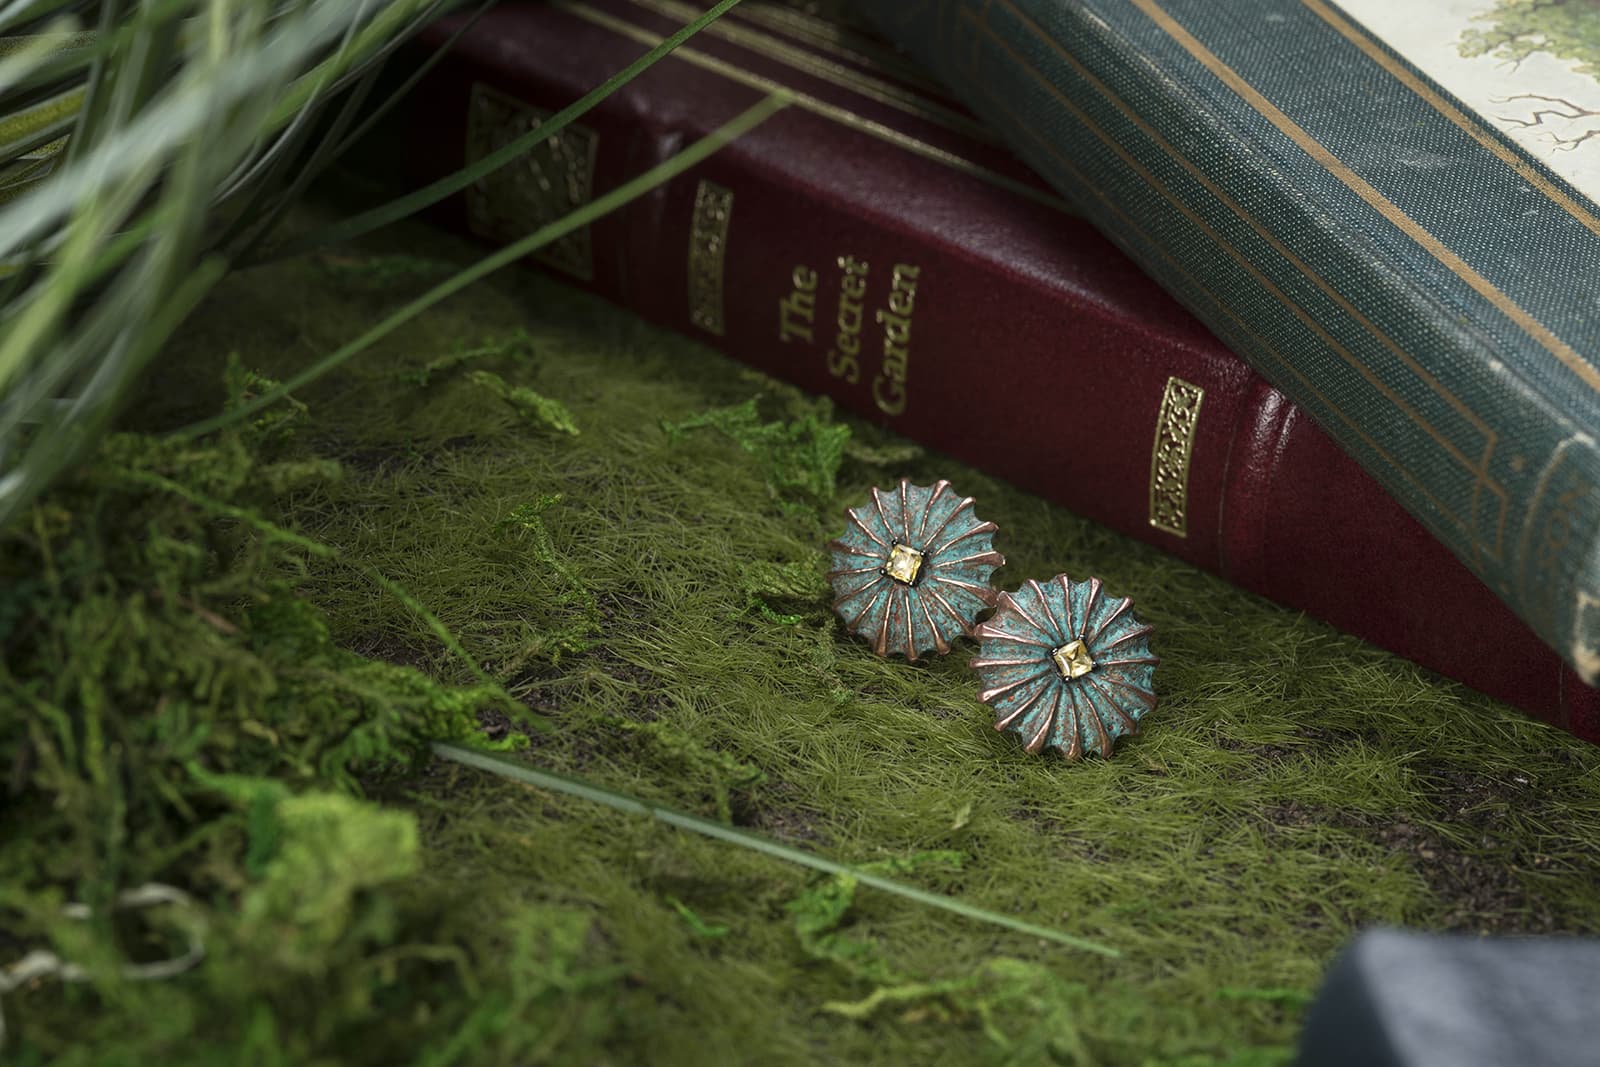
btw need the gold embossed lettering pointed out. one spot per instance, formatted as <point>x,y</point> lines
<point>889,395</point>
<point>854,282</point>
<point>844,365</point>
<point>842,358</point>
<point>889,390</point>
<point>896,328</point>
<point>798,310</point>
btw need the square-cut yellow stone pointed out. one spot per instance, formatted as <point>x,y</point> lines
<point>1073,660</point>
<point>904,563</point>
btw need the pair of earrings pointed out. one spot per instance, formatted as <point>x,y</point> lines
<point>1063,665</point>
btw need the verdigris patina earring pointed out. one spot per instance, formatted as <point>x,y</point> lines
<point>911,572</point>
<point>1065,667</point>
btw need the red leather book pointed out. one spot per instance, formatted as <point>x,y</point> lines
<point>873,242</point>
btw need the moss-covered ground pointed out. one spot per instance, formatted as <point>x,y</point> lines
<point>224,659</point>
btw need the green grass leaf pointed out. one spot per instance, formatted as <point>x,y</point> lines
<point>600,206</point>
<point>755,843</point>
<point>409,205</point>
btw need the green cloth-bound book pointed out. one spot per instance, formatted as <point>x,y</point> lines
<point>1387,207</point>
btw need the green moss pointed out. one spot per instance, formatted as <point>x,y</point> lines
<point>235,691</point>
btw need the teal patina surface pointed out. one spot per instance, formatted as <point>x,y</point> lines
<point>1066,667</point>
<point>911,571</point>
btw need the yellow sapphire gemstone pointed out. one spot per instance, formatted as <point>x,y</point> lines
<point>1073,660</point>
<point>904,563</point>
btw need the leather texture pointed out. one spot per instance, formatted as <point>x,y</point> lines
<point>1037,351</point>
<point>1397,998</point>
<point>1409,276</point>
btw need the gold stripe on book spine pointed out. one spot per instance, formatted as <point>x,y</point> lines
<point>1176,423</point>
<point>553,178</point>
<point>840,39</point>
<point>810,103</point>
<point>876,89</point>
<point>1587,372</point>
<point>708,244</point>
<point>1485,135</point>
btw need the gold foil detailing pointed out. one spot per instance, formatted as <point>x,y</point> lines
<point>552,179</point>
<point>839,31</point>
<point>904,564</point>
<point>878,90</point>
<point>889,388</point>
<point>1169,457</point>
<point>844,358</point>
<point>806,101</point>
<point>708,244</point>
<point>1073,660</point>
<point>798,310</point>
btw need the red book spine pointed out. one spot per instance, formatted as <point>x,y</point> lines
<point>873,243</point>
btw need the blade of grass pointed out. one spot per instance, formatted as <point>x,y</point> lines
<point>22,58</point>
<point>34,327</point>
<point>124,244</point>
<point>573,787</point>
<point>40,123</point>
<point>412,79</point>
<point>384,27</point>
<point>274,193</point>
<point>603,205</point>
<point>95,98</point>
<point>411,203</point>
<point>182,95</point>
<point>304,119</point>
<point>155,133</point>
<point>25,13</point>
<point>271,194</point>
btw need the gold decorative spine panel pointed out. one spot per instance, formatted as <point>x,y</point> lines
<point>708,246</point>
<point>551,180</point>
<point>1169,456</point>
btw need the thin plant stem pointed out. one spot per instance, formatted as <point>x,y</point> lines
<point>756,843</point>
<point>629,191</point>
<point>411,203</point>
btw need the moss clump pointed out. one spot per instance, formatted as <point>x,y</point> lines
<point>177,713</point>
<point>657,597</point>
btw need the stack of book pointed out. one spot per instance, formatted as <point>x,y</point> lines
<point>1372,409</point>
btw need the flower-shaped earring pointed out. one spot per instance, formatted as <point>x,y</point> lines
<point>1065,667</point>
<point>912,570</point>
